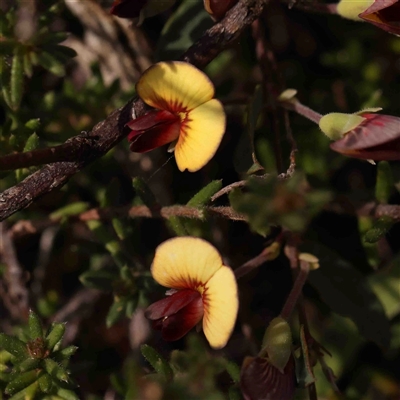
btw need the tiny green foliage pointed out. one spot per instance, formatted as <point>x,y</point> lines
<point>34,369</point>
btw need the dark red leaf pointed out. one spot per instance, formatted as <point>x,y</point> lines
<point>261,380</point>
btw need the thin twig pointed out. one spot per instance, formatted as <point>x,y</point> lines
<point>302,110</point>
<point>45,249</point>
<point>165,212</point>
<point>296,291</point>
<point>15,277</point>
<point>269,72</point>
<point>227,189</point>
<point>75,311</point>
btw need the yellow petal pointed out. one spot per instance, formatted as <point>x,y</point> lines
<point>200,136</point>
<point>221,304</point>
<point>175,86</point>
<point>185,262</point>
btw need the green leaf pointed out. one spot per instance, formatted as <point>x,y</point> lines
<point>35,326</point>
<point>176,225</point>
<point>116,312</point>
<point>145,193</point>
<point>51,38</point>
<point>45,383</point>
<point>386,285</point>
<point>202,197</point>
<point>67,394</point>
<point>27,61</point>
<point>159,364</point>
<point>32,143</point>
<point>64,354</point>
<point>184,27</point>
<point>33,124</point>
<point>51,63</point>
<point>21,381</point>
<point>5,82</point>
<point>29,393</point>
<point>13,345</point>
<point>233,370</point>
<point>380,228</point>
<point>347,292</point>
<point>55,335</point>
<point>304,372</point>
<point>17,78</point>
<point>245,159</point>
<point>7,45</point>
<point>55,370</point>
<point>131,306</point>
<point>102,279</point>
<point>28,364</point>
<point>69,210</point>
<point>384,182</point>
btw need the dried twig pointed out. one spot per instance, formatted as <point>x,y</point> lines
<point>14,292</point>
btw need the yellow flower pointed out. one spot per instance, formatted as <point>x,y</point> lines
<point>185,112</point>
<point>202,288</point>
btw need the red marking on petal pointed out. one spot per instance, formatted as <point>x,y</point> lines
<point>376,130</point>
<point>127,8</point>
<point>154,129</point>
<point>179,324</point>
<point>156,137</point>
<point>151,119</point>
<point>171,304</point>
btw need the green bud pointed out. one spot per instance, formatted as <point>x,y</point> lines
<point>277,343</point>
<point>45,383</point>
<point>35,326</point>
<point>351,9</point>
<point>56,334</point>
<point>336,125</point>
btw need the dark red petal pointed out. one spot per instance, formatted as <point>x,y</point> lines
<point>171,304</point>
<point>385,152</point>
<point>179,324</point>
<point>127,8</point>
<point>142,141</point>
<point>384,14</point>
<point>151,119</point>
<point>376,130</point>
<point>261,380</point>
